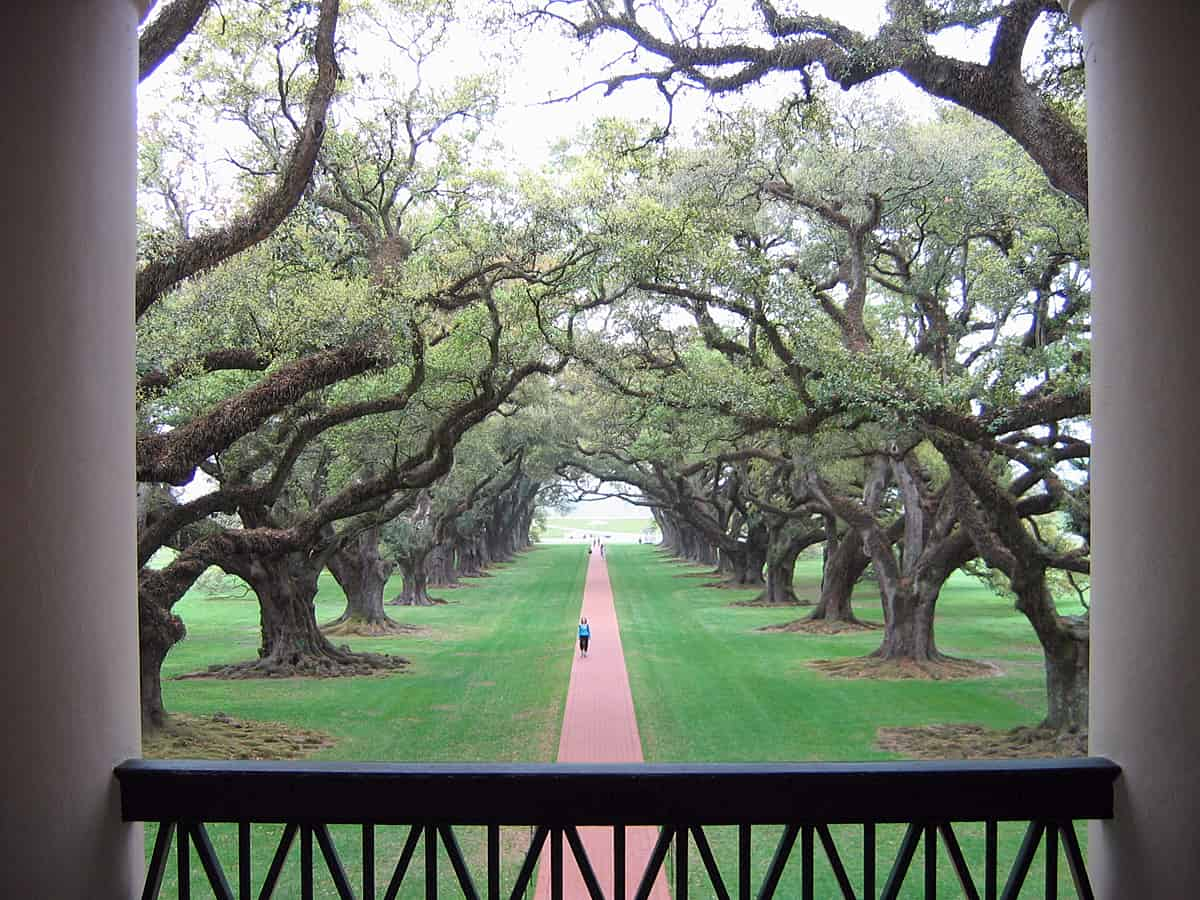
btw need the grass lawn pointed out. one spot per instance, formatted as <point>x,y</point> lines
<point>708,686</point>
<point>489,675</point>
<point>488,681</point>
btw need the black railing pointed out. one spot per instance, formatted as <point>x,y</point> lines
<point>930,798</point>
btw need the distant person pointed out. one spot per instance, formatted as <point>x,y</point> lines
<point>602,551</point>
<point>585,635</point>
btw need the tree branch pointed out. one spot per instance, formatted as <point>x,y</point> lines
<point>194,255</point>
<point>170,27</point>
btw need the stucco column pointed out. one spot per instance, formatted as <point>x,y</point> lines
<point>1144,135</point>
<point>68,665</point>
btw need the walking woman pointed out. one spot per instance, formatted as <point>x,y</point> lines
<point>585,635</point>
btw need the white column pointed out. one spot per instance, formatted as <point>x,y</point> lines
<point>1144,149</point>
<point>68,664</point>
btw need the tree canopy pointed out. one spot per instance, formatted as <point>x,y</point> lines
<point>819,320</point>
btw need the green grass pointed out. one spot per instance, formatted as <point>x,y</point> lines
<point>487,682</point>
<point>708,686</point>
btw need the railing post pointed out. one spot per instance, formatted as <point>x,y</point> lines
<point>556,864</point>
<point>744,834</point>
<point>431,862</point>
<point>618,862</point>
<point>991,866</point>
<point>1052,861</point>
<point>306,863</point>
<point>244,883</point>
<point>681,862</point>
<point>368,862</point>
<point>493,862</point>
<point>183,863</point>
<point>806,862</point>
<point>869,859</point>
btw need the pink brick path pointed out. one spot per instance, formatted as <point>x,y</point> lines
<point>599,725</point>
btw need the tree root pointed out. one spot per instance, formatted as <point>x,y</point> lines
<point>220,736</point>
<point>340,664</point>
<point>947,668</point>
<point>356,626</point>
<point>759,602</point>
<point>977,742</point>
<point>823,626</point>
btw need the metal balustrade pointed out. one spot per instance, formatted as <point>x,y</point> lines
<point>429,800</point>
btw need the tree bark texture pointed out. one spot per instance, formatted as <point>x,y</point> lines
<point>745,566</point>
<point>166,32</point>
<point>786,543</point>
<point>908,633</point>
<point>192,256</point>
<point>845,563</point>
<point>362,575</point>
<point>470,559</point>
<point>415,591</point>
<point>291,640</point>
<point>1067,681</point>
<point>930,549</point>
<point>441,566</point>
<point>993,518</point>
<point>159,629</point>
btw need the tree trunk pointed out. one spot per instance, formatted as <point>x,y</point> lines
<point>758,548</point>
<point>844,566</point>
<point>483,555</point>
<point>1004,541</point>
<point>785,545</point>
<point>745,567</point>
<point>1066,645</point>
<point>159,630</point>
<point>780,588</point>
<point>931,548</point>
<point>1067,673</point>
<point>525,512</point>
<point>286,588</point>
<point>292,642</point>
<point>441,566</point>
<point>498,532</point>
<point>908,634</point>
<point>416,581</point>
<point>469,560</point>
<point>730,565</point>
<point>696,548</point>
<point>362,575</point>
<point>666,528</point>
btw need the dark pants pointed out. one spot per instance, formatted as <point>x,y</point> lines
<point>583,642</point>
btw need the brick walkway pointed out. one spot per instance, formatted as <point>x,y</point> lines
<point>599,725</point>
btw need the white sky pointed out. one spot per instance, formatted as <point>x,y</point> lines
<point>554,66</point>
<point>545,64</point>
